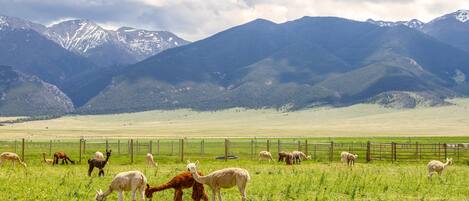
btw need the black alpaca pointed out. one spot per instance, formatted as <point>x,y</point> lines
<point>98,163</point>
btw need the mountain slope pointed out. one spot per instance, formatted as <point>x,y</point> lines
<point>308,61</point>
<point>106,47</point>
<point>22,95</point>
<point>452,28</point>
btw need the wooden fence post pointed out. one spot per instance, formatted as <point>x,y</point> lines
<point>131,150</point>
<point>368,151</point>
<point>181,148</point>
<point>306,147</point>
<point>268,145</point>
<point>331,151</point>
<point>150,149</point>
<point>22,149</point>
<point>226,149</point>
<point>279,149</point>
<point>79,154</point>
<point>445,146</point>
<point>393,151</point>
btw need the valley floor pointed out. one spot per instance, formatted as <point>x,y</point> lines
<point>351,121</point>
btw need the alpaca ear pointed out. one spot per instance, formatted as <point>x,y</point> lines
<point>148,186</point>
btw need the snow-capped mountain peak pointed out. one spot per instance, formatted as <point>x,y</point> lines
<point>462,15</point>
<point>17,23</point>
<point>414,23</point>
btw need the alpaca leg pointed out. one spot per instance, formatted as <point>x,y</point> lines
<point>101,173</point>
<point>214,192</point>
<point>120,196</point>
<point>178,195</point>
<point>242,191</point>
<point>142,193</point>
<point>134,195</point>
<point>219,195</point>
<point>90,170</point>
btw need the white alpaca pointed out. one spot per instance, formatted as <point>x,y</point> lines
<point>348,158</point>
<point>125,181</point>
<point>298,156</point>
<point>46,160</point>
<point>224,178</point>
<point>99,155</point>
<point>265,155</point>
<point>150,160</point>
<point>10,156</point>
<point>438,166</point>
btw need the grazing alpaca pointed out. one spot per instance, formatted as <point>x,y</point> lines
<point>10,156</point>
<point>298,156</point>
<point>178,183</point>
<point>98,163</point>
<point>265,155</point>
<point>63,156</point>
<point>125,181</point>
<point>348,158</point>
<point>289,158</point>
<point>46,160</point>
<point>224,178</point>
<point>150,161</point>
<point>99,155</point>
<point>438,166</point>
<point>281,156</point>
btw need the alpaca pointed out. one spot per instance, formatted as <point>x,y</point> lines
<point>99,155</point>
<point>298,156</point>
<point>348,158</point>
<point>98,163</point>
<point>289,158</point>
<point>125,181</point>
<point>224,178</point>
<point>281,156</point>
<point>48,160</point>
<point>178,183</point>
<point>150,161</point>
<point>438,166</point>
<point>265,155</point>
<point>10,156</point>
<point>63,156</point>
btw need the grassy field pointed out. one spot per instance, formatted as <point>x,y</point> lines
<point>269,182</point>
<point>356,120</point>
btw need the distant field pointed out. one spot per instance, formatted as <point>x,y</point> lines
<point>353,121</point>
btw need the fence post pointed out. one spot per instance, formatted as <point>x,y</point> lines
<point>79,154</point>
<point>150,149</point>
<point>226,149</point>
<point>22,149</point>
<point>306,147</point>
<point>331,151</point>
<point>118,147</point>
<point>393,151</point>
<point>252,149</point>
<point>50,147</point>
<point>181,145</point>
<point>131,150</point>
<point>84,146</point>
<point>417,151</point>
<point>368,151</point>
<point>278,146</point>
<point>268,145</point>
<point>445,146</point>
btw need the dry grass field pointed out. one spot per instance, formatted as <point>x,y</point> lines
<point>351,121</point>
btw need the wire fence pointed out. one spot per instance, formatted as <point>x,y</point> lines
<point>133,150</point>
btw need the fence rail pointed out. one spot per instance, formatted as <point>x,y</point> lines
<point>244,148</point>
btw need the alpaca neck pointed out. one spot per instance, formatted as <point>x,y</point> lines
<point>106,193</point>
<point>44,158</point>
<point>445,164</point>
<point>198,178</point>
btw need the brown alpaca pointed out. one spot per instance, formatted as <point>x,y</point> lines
<point>178,183</point>
<point>281,156</point>
<point>289,159</point>
<point>63,156</point>
<point>98,163</point>
<point>10,156</point>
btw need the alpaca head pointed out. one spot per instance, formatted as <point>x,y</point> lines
<point>308,157</point>
<point>192,167</point>
<point>148,193</point>
<point>449,161</point>
<point>355,156</point>
<point>108,153</point>
<point>99,195</point>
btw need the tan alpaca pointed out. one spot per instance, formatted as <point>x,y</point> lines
<point>10,156</point>
<point>125,181</point>
<point>299,156</point>
<point>265,155</point>
<point>99,155</point>
<point>348,158</point>
<point>150,161</point>
<point>438,166</point>
<point>224,178</point>
<point>46,160</point>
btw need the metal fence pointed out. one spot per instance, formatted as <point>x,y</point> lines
<point>243,148</point>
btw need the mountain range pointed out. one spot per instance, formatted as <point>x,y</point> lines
<point>301,63</point>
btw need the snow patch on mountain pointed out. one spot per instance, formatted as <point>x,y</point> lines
<point>462,15</point>
<point>414,24</point>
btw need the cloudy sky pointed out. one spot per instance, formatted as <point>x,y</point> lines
<point>196,19</point>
